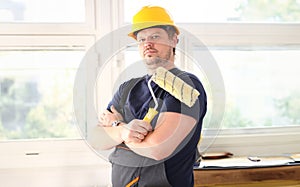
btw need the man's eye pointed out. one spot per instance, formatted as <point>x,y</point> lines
<point>141,40</point>
<point>155,37</point>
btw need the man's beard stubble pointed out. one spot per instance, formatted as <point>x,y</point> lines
<point>153,63</point>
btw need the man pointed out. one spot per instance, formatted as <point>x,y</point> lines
<point>160,153</point>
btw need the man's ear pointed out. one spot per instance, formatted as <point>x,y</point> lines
<point>175,40</point>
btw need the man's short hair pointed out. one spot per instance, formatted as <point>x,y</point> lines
<point>168,28</point>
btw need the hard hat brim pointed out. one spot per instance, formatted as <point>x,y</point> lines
<point>141,26</point>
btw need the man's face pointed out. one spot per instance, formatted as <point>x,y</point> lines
<point>155,46</point>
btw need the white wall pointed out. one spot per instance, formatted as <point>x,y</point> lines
<point>53,163</point>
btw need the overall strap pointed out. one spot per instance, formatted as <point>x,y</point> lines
<point>130,84</point>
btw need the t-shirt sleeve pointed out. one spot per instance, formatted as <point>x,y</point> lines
<point>117,98</point>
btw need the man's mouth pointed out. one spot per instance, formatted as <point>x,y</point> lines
<point>149,52</point>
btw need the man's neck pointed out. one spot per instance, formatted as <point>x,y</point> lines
<point>168,66</point>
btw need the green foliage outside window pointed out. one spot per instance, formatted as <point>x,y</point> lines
<point>26,114</point>
<point>269,11</point>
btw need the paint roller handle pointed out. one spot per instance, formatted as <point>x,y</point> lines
<point>150,115</point>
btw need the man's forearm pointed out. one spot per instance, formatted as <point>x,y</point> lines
<point>105,137</point>
<point>151,148</point>
<point>170,131</point>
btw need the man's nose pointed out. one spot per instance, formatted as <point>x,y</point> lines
<point>148,44</point>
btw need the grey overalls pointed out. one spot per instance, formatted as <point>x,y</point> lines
<point>131,169</point>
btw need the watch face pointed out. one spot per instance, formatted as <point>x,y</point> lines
<point>115,123</point>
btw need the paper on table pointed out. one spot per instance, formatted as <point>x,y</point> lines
<point>295,157</point>
<point>234,162</point>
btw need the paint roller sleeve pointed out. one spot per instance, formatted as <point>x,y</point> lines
<point>175,86</point>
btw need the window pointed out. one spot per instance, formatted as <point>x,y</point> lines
<point>262,87</point>
<point>36,93</point>
<point>251,41</point>
<point>47,17</point>
<point>41,46</point>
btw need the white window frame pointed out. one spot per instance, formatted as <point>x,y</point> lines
<point>52,36</point>
<point>56,36</point>
<point>248,35</point>
<point>249,141</point>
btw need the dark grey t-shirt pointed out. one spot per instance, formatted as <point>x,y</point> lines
<point>179,166</point>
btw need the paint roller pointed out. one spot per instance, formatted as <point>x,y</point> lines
<point>175,86</point>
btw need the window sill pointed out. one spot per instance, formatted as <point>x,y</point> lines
<point>253,141</point>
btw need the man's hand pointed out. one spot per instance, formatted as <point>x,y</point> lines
<point>107,117</point>
<point>135,131</point>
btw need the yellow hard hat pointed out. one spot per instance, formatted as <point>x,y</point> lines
<point>150,16</point>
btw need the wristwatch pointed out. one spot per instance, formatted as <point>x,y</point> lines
<point>116,123</point>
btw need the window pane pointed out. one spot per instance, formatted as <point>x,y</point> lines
<point>189,11</point>
<point>42,11</point>
<point>262,87</point>
<point>36,92</point>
